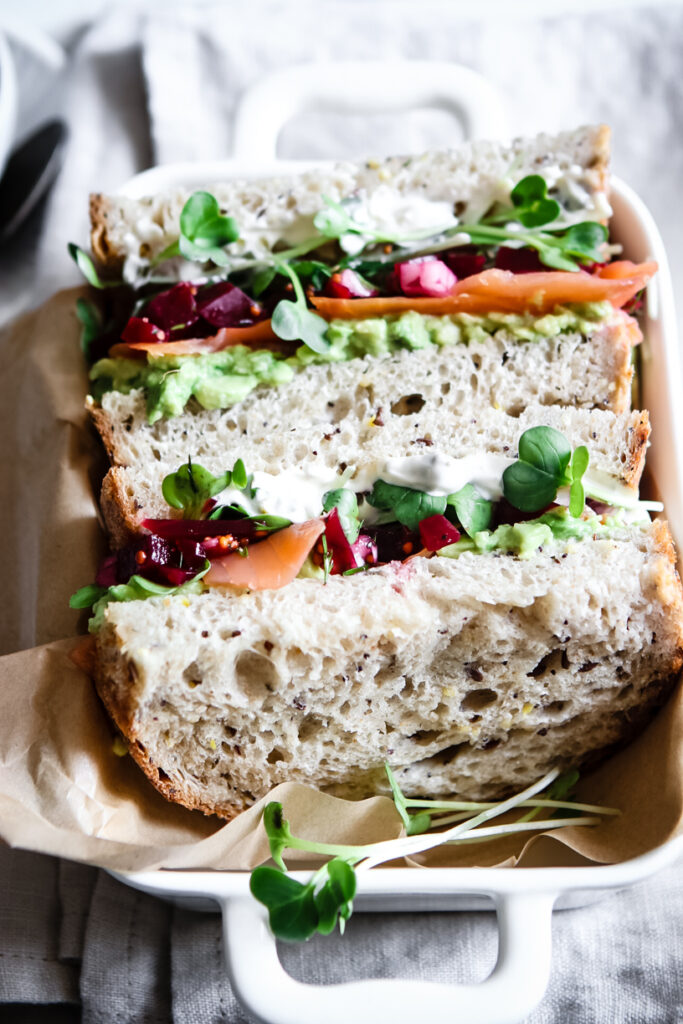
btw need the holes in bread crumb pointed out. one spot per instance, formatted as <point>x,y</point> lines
<point>310,726</point>
<point>477,700</point>
<point>157,454</point>
<point>276,755</point>
<point>547,663</point>
<point>192,675</point>
<point>423,737</point>
<point>555,706</point>
<point>407,405</point>
<point>255,675</point>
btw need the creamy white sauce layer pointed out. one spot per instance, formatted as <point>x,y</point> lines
<point>297,494</point>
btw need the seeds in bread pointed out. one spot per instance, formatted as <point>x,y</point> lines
<point>590,371</point>
<point>132,493</point>
<point>472,676</point>
<point>270,209</point>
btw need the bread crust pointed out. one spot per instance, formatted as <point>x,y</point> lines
<point>588,147</point>
<point>130,683</point>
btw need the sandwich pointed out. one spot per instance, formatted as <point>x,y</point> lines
<point>373,494</point>
<point>279,317</point>
<point>471,620</point>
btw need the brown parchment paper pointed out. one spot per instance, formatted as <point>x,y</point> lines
<point>64,791</point>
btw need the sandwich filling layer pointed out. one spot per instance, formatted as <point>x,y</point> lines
<point>219,380</point>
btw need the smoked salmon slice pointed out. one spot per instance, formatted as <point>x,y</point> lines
<point>270,564</point>
<point>501,291</point>
<point>260,334</point>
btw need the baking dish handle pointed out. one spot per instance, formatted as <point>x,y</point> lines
<point>507,996</point>
<point>364,87</point>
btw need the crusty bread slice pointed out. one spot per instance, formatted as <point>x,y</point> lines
<point>132,493</point>
<point>269,210</point>
<point>471,677</point>
<point>591,371</point>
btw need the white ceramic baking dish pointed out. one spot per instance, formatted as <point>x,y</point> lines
<point>524,898</point>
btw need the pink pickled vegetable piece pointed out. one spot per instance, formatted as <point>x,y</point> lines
<point>426,276</point>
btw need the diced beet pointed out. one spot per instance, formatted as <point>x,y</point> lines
<point>197,529</point>
<point>394,542</point>
<point>226,305</point>
<point>106,574</point>
<point>425,276</point>
<point>436,532</point>
<point>172,576</point>
<point>143,557</point>
<point>464,262</point>
<point>141,329</point>
<point>174,307</point>
<point>519,261</point>
<point>346,284</point>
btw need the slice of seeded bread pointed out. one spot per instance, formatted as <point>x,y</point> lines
<point>591,371</point>
<point>129,494</point>
<point>270,210</point>
<point>471,676</point>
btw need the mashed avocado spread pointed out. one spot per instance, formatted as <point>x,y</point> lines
<point>221,379</point>
<point>524,539</point>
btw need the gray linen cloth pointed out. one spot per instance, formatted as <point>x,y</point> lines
<point>161,84</point>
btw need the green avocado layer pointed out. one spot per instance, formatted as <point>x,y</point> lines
<point>221,379</point>
<point>524,539</point>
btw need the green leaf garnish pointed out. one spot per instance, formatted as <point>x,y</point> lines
<point>91,321</point>
<point>261,280</point>
<point>294,321</point>
<point>333,219</point>
<point>86,266</point>
<point>473,512</point>
<point>347,509</point>
<point>136,589</point>
<point>204,230</point>
<point>578,466</point>
<point>313,271</point>
<point>409,506</point>
<point>297,909</point>
<point>87,596</point>
<point>190,487</point>
<point>543,467</point>
<point>533,207</point>
<point>414,824</point>
<point>584,240</point>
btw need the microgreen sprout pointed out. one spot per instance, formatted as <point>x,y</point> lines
<point>136,589</point>
<point>544,465</point>
<point>91,324</point>
<point>294,321</point>
<point>190,487</point>
<point>346,505</point>
<point>204,232</point>
<point>297,910</point>
<point>86,266</point>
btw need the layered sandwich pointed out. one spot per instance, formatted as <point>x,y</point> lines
<point>471,619</point>
<point>297,315</point>
<point>374,484</point>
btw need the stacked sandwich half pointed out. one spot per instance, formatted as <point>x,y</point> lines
<point>374,477</point>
